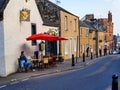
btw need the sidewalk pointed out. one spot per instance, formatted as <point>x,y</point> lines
<point>64,66</point>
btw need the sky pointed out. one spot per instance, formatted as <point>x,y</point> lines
<point>99,8</point>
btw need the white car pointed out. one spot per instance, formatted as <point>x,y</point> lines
<point>115,52</point>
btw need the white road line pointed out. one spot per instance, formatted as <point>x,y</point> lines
<point>3,86</point>
<point>25,79</point>
<point>87,63</point>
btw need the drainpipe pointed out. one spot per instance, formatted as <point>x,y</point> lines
<point>79,37</point>
<point>96,43</point>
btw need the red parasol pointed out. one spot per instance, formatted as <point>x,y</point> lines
<point>45,37</point>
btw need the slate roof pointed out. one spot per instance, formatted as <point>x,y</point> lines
<point>84,24</point>
<point>50,12</point>
<point>3,4</point>
<point>96,25</point>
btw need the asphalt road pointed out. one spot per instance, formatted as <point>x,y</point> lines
<point>97,76</point>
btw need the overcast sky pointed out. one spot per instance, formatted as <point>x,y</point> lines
<point>99,8</point>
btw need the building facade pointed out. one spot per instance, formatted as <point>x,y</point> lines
<point>97,34</point>
<point>84,38</point>
<point>101,42</point>
<point>69,29</point>
<point>92,40</point>
<point>109,31</point>
<point>18,20</point>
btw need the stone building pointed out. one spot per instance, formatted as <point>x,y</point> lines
<point>84,38</point>
<point>70,30</point>
<point>97,32</point>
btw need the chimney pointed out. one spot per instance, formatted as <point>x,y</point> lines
<point>109,17</point>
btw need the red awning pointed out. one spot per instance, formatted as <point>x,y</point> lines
<point>45,37</point>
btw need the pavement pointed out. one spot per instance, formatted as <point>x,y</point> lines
<point>63,67</point>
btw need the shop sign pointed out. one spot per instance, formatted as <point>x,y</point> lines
<point>25,15</point>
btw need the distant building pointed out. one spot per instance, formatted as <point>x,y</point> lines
<point>84,38</point>
<point>99,32</point>
<point>109,30</point>
<point>115,42</point>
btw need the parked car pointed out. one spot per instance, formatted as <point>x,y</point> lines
<point>115,52</point>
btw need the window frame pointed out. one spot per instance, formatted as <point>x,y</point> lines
<point>66,22</point>
<point>66,47</point>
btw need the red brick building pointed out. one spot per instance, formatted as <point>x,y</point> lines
<point>109,31</point>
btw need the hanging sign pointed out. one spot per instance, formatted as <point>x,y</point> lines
<point>25,15</point>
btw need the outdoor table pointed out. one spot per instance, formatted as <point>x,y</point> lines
<point>36,63</point>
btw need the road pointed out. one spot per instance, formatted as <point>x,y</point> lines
<point>97,76</point>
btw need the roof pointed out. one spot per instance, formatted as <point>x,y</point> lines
<point>3,4</point>
<point>50,12</point>
<point>94,23</point>
<point>83,24</point>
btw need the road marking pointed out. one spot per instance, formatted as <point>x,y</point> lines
<point>87,63</point>
<point>25,79</point>
<point>3,86</point>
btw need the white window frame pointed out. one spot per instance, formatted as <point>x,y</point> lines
<point>66,46</point>
<point>81,49</point>
<point>75,44</point>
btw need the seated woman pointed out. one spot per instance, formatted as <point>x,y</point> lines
<point>23,61</point>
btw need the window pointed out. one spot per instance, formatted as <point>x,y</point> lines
<point>66,46</point>
<point>87,46</point>
<point>81,49</point>
<point>74,24</point>
<point>66,27</point>
<point>33,31</point>
<point>87,32</point>
<point>80,31</point>
<point>90,36</point>
<point>75,43</point>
